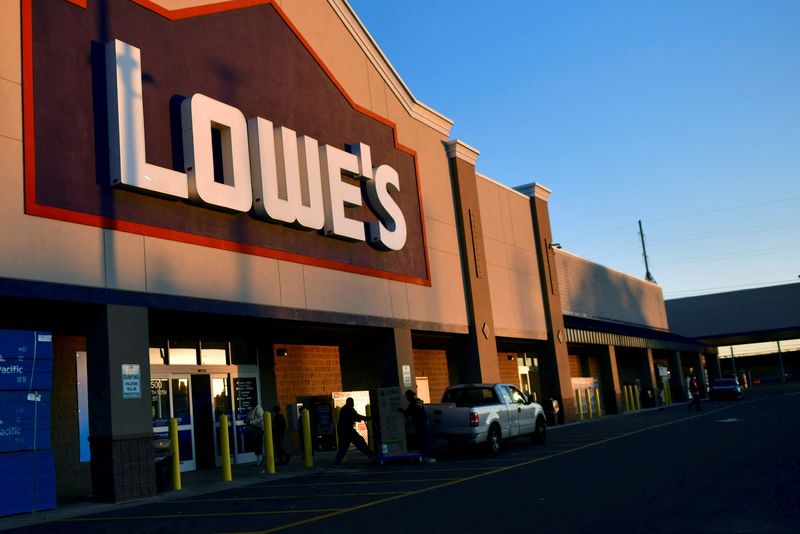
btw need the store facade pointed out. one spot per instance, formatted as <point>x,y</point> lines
<point>209,206</point>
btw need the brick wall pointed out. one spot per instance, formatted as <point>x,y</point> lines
<point>306,370</point>
<point>73,478</point>
<point>433,365</point>
<point>509,369</point>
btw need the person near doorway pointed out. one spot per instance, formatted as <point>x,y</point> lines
<point>278,433</point>
<point>694,390</point>
<point>418,419</point>
<point>255,423</point>
<point>347,434</point>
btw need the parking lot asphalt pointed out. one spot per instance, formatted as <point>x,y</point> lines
<point>298,497</point>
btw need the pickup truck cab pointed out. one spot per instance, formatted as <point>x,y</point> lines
<point>486,414</point>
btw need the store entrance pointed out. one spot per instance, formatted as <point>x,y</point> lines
<point>197,401</point>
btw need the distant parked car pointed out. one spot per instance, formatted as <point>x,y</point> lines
<point>725,388</point>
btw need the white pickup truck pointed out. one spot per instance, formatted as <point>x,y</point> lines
<point>486,414</point>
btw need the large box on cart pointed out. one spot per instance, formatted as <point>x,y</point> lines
<point>388,422</point>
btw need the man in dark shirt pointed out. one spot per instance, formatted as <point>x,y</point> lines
<point>415,413</point>
<point>347,433</point>
<point>278,433</point>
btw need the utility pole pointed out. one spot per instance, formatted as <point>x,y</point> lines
<point>647,276</point>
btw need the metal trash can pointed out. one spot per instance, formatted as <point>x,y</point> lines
<point>551,409</point>
<point>162,452</point>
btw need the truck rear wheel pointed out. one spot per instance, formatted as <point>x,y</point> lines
<point>494,441</point>
<point>540,433</point>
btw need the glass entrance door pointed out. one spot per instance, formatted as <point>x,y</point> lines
<point>221,402</point>
<point>171,397</point>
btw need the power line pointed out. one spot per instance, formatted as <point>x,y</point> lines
<point>722,210</point>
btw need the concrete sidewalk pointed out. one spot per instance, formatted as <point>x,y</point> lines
<point>193,483</point>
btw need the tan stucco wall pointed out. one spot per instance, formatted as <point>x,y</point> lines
<point>591,290</point>
<point>511,264</point>
<point>47,250</point>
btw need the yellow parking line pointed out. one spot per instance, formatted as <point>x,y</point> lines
<point>186,516</point>
<point>453,482</point>
<point>283,497</point>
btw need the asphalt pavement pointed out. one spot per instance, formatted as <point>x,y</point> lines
<point>731,467</point>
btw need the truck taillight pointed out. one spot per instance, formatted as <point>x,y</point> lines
<point>474,419</point>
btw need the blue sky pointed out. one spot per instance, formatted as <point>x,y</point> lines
<point>684,114</point>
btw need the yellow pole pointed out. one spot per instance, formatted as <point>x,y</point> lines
<point>305,417</point>
<point>224,448</point>
<point>597,401</point>
<point>534,397</point>
<point>579,402</point>
<point>336,424</point>
<point>371,437</point>
<point>636,399</point>
<point>627,401</point>
<point>589,403</point>
<point>269,448</point>
<point>667,393</point>
<point>176,454</point>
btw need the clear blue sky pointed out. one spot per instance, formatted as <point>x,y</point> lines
<point>684,114</point>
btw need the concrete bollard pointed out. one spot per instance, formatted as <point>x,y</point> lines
<point>225,448</point>
<point>176,454</point>
<point>579,404</point>
<point>336,424</point>
<point>308,455</point>
<point>636,397</point>
<point>269,447</point>
<point>627,400</point>
<point>370,437</point>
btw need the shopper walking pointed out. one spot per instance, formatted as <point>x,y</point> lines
<point>278,433</point>
<point>418,419</point>
<point>255,422</point>
<point>348,417</point>
<point>694,390</point>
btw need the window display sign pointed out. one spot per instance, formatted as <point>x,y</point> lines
<point>244,389</point>
<point>131,381</point>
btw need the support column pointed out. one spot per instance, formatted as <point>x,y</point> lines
<point>676,380</point>
<point>481,364</point>
<point>613,391</point>
<point>397,363</point>
<point>649,376</point>
<point>121,431</point>
<point>555,375</point>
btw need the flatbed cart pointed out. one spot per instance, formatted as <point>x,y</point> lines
<point>381,458</point>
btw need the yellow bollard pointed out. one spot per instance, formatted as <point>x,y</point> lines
<point>336,424</point>
<point>308,458</point>
<point>176,454</point>
<point>371,438</point>
<point>667,393</point>
<point>636,398</point>
<point>579,403</point>
<point>225,448</point>
<point>597,401</point>
<point>625,397</point>
<point>589,403</point>
<point>269,448</point>
<point>534,397</point>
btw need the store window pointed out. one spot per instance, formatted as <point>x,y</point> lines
<point>157,356</point>
<point>182,352</point>
<point>213,353</point>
